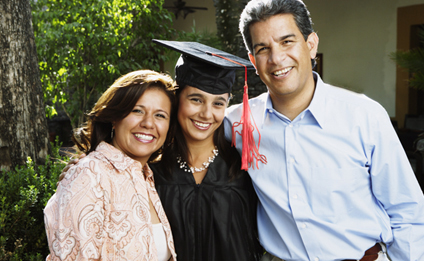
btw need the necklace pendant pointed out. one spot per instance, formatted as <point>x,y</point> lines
<point>187,168</point>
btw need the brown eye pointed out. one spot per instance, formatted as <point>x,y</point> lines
<point>196,100</point>
<point>138,111</point>
<point>161,115</point>
<point>260,50</point>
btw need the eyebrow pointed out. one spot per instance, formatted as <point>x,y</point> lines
<point>222,99</point>
<point>284,37</point>
<point>195,95</point>
<point>142,106</point>
<point>202,96</point>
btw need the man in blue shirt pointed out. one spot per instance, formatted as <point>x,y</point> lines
<point>337,185</point>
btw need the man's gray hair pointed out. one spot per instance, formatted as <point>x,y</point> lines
<point>260,10</point>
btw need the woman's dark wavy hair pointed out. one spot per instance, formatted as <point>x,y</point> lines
<point>117,102</point>
<point>179,147</point>
<point>260,10</point>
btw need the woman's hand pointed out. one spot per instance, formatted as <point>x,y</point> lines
<point>71,163</point>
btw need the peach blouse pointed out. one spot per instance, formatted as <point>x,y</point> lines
<point>100,210</point>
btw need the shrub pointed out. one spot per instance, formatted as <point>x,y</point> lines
<point>24,193</point>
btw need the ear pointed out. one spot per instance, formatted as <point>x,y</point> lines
<point>312,43</point>
<point>253,61</point>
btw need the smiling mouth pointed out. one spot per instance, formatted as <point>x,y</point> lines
<point>201,125</point>
<point>282,72</point>
<point>144,137</point>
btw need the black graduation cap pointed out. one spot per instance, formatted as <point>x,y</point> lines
<point>204,67</point>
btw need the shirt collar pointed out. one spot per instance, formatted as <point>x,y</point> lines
<point>268,105</point>
<point>120,160</point>
<point>317,105</point>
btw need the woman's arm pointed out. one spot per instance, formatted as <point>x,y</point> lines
<point>74,216</point>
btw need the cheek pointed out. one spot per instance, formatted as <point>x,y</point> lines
<point>165,128</point>
<point>180,117</point>
<point>219,115</point>
<point>122,126</point>
<point>260,63</point>
<point>184,112</point>
<point>304,54</point>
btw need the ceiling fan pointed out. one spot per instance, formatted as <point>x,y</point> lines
<point>180,7</point>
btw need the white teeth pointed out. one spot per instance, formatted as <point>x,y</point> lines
<point>143,137</point>
<point>203,125</point>
<point>283,71</point>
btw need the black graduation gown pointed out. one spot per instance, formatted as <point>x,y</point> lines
<point>212,221</point>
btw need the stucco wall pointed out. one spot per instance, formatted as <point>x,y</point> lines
<point>356,38</point>
<point>200,19</point>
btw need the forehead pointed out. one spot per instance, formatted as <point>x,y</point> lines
<point>154,96</point>
<point>188,90</point>
<point>274,26</point>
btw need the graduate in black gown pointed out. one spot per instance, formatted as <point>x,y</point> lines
<point>209,201</point>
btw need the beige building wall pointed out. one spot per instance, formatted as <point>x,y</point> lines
<point>356,38</point>
<point>200,19</point>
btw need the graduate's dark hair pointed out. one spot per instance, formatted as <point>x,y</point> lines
<point>260,10</point>
<point>117,102</point>
<point>179,147</point>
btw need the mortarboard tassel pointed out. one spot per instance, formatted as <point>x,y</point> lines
<point>249,149</point>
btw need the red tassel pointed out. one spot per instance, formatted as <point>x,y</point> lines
<point>249,149</point>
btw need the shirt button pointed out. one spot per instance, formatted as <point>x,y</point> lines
<point>303,225</point>
<point>270,111</point>
<point>316,259</point>
<point>295,196</point>
<point>291,125</point>
<point>292,160</point>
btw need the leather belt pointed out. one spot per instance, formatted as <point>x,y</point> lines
<point>370,255</point>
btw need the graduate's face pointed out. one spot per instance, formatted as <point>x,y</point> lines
<point>200,113</point>
<point>144,130</point>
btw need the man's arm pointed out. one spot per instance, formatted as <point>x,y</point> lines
<point>395,186</point>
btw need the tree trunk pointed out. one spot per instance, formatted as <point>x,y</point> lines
<point>23,125</point>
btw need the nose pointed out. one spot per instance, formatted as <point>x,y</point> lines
<point>206,111</point>
<point>277,55</point>
<point>147,121</point>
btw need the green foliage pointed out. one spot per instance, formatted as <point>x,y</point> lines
<point>24,193</point>
<point>413,61</point>
<point>203,36</point>
<point>83,46</point>
<point>227,21</point>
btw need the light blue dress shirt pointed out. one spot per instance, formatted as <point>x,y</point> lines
<point>337,180</point>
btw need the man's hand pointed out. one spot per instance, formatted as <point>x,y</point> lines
<point>71,163</point>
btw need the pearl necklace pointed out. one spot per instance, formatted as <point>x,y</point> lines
<point>186,168</point>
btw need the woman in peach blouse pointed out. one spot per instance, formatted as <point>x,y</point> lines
<point>107,207</point>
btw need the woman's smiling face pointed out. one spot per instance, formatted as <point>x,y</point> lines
<point>144,130</point>
<point>200,113</point>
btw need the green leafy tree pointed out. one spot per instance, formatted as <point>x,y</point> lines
<point>83,46</point>
<point>413,61</point>
<point>203,36</point>
<point>227,21</point>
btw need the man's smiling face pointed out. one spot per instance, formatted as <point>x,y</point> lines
<point>282,57</point>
